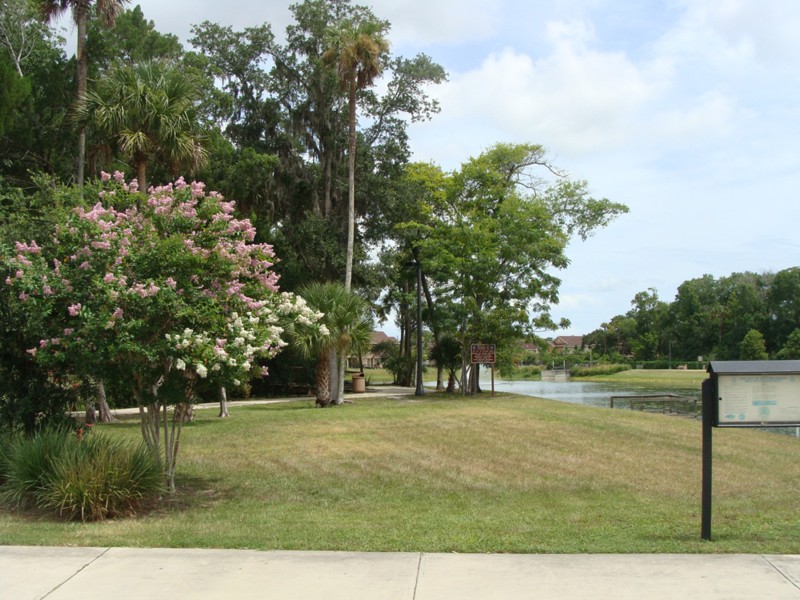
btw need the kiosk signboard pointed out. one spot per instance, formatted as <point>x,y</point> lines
<point>756,393</point>
<point>745,393</point>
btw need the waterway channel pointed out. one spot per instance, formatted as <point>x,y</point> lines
<point>599,394</point>
<point>590,393</point>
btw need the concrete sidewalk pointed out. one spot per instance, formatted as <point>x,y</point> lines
<point>28,573</point>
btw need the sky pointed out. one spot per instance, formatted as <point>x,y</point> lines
<point>687,111</point>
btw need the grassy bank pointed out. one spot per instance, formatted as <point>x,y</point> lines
<point>668,378</point>
<point>509,474</point>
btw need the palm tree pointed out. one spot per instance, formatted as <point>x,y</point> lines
<point>148,110</point>
<point>347,327</point>
<point>107,11</point>
<point>356,50</point>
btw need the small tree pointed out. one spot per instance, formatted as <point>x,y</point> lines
<point>157,293</point>
<point>753,346</point>
<point>345,324</point>
<point>791,350</point>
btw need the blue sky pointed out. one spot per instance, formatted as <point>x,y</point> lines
<point>686,111</point>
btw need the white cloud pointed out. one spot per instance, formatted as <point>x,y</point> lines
<point>439,22</point>
<point>575,99</point>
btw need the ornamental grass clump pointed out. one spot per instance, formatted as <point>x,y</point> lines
<point>81,477</point>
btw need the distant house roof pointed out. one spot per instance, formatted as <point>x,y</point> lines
<point>568,341</point>
<point>377,337</point>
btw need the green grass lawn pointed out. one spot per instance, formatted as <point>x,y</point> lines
<point>669,378</point>
<point>446,474</point>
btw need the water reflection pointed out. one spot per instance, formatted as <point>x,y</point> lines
<point>599,394</point>
<point>581,392</point>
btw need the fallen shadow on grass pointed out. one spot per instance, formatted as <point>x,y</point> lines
<point>191,493</point>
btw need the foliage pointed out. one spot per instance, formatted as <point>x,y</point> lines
<point>344,326</point>
<point>147,111</point>
<point>791,350</point>
<point>80,477</point>
<point>602,369</point>
<point>753,346</point>
<point>133,39</point>
<point>155,292</point>
<point>36,136</point>
<point>709,318</point>
<point>489,237</point>
<point>446,354</point>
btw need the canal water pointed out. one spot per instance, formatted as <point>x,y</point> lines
<point>582,392</point>
<point>599,394</point>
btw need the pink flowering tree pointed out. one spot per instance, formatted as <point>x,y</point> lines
<point>160,291</point>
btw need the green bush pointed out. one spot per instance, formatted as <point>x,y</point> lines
<point>602,369</point>
<point>81,477</point>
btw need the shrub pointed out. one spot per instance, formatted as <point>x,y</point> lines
<point>602,369</point>
<point>81,477</point>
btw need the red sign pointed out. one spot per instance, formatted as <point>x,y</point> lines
<point>482,353</point>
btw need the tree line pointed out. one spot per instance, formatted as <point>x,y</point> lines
<point>742,316</point>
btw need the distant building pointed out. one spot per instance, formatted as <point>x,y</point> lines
<point>369,358</point>
<point>565,344</point>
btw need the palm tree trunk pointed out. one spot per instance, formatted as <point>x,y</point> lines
<point>322,381</point>
<point>351,204</point>
<point>81,17</point>
<point>141,174</point>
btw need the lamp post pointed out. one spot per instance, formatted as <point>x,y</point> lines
<point>420,390</point>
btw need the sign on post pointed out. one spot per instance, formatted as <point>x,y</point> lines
<point>745,393</point>
<point>482,354</point>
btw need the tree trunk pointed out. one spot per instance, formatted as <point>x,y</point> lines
<point>333,374</point>
<point>102,403</point>
<point>340,381</point>
<point>81,17</point>
<point>351,201</point>
<point>223,402</point>
<point>141,175</point>
<point>322,391</point>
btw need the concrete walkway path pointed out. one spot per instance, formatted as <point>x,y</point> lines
<point>69,573</point>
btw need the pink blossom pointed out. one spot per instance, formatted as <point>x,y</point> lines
<point>69,331</point>
<point>119,176</point>
<point>117,314</point>
<point>264,371</point>
<point>23,296</point>
<point>18,274</point>
<point>105,176</point>
<point>9,281</point>
<point>197,188</point>
<point>85,265</point>
<point>170,282</point>
<point>32,351</point>
<point>47,291</point>
<point>109,278</point>
<point>74,309</point>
